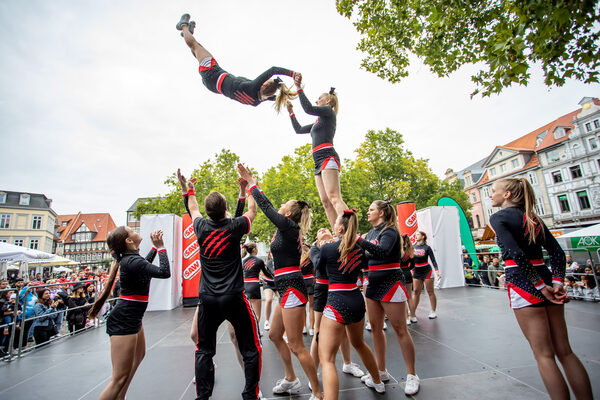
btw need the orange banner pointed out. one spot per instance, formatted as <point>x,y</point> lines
<point>407,219</point>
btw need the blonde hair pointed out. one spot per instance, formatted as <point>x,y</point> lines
<point>522,194</point>
<point>300,214</point>
<point>285,94</point>
<point>349,221</point>
<point>305,254</point>
<point>333,101</point>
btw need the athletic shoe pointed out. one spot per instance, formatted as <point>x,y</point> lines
<point>285,386</point>
<point>408,321</point>
<point>313,397</point>
<point>304,331</point>
<point>384,376</point>
<point>267,325</point>
<point>260,396</point>
<point>191,27</point>
<point>353,369</point>
<point>185,20</point>
<point>413,320</point>
<point>432,315</point>
<point>368,326</point>
<point>412,384</point>
<point>379,387</point>
<point>311,332</point>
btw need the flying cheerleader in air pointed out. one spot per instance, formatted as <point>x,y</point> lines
<point>327,160</point>
<point>238,88</point>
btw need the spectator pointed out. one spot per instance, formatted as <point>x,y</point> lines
<point>467,260</point>
<point>44,327</point>
<point>62,278</point>
<point>572,288</point>
<point>27,301</point>
<point>78,309</point>
<point>90,292</point>
<point>482,269</point>
<point>470,277</point>
<point>3,284</point>
<point>588,285</point>
<point>493,272</point>
<point>6,312</point>
<point>501,280</point>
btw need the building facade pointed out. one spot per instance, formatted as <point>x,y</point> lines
<point>27,219</point>
<point>83,237</point>
<point>132,221</point>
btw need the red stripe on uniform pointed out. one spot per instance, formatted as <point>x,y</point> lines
<point>247,97</point>
<point>256,339</point>
<point>342,286</point>
<point>512,263</point>
<point>421,264</point>
<point>134,297</point>
<point>286,270</point>
<point>308,276</point>
<point>220,82</point>
<point>251,280</point>
<point>322,281</point>
<point>203,68</point>
<point>322,146</point>
<point>384,266</point>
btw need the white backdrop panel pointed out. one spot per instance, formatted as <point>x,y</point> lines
<point>165,294</point>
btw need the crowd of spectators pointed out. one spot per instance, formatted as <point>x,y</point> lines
<point>581,281</point>
<point>40,304</point>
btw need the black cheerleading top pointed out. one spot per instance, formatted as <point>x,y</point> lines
<point>247,91</point>
<point>422,255</point>
<point>407,262</point>
<point>307,268</point>
<point>510,225</point>
<point>136,271</point>
<point>286,243</point>
<point>342,275</point>
<point>382,247</point>
<point>323,130</point>
<point>252,267</point>
<point>320,274</point>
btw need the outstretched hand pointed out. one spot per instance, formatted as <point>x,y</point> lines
<point>246,174</point>
<point>243,185</point>
<point>290,106</point>
<point>182,180</point>
<point>298,79</point>
<point>157,239</point>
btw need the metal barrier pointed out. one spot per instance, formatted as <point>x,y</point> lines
<point>595,292</point>
<point>15,324</point>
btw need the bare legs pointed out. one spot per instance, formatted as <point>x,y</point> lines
<point>409,309</point>
<point>197,49</point>
<point>311,312</point>
<point>268,304</point>
<point>328,186</point>
<point>546,331</point>
<point>276,336</point>
<point>256,307</point>
<point>418,286</point>
<point>126,353</point>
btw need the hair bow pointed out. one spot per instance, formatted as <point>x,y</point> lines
<point>332,90</point>
<point>115,255</point>
<point>277,80</point>
<point>388,202</point>
<point>303,204</point>
<point>350,211</point>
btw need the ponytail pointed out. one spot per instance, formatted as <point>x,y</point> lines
<point>248,248</point>
<point>285,94</point>
<point>349,221</point>
<point>100,300</point>
<point>522,195</point>
<point>407,247</point>
<point>333,100</point>
<point>300,214</point>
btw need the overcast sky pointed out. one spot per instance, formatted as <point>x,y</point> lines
<point>101,100</point>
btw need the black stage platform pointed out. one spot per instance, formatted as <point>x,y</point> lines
<point>474,350</point>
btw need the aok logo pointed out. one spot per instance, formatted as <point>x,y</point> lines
<point>588,241</point>
<point>188,232</point>
<point>192,270</point>
<point>191,250</point>
<point>412,220</point>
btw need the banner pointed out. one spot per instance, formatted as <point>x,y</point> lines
<point>190,262</point>
<point>407,219</point>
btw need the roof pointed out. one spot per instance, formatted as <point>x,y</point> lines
<point>99,223</point>
<point>37,201</point>
<point>135,203</point>
<point>476,169</point>
<point>534,161</point>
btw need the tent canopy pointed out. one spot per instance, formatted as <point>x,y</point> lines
<point>593,230</point>
<point>11,253</point>
<point>56,260</point>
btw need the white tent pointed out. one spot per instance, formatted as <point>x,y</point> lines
<point>593,230</point>
<point>11,253</point>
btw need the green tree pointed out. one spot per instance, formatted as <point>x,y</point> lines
<point>505,38</point>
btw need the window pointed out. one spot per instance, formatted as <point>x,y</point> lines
<point>588,127</point>
<point>24,199</point>
<point>575,172</point>
<point>490,211</point>
<point>592,142</point>
<point>486,190</point>
<point>34,244</point>
<point>557,177</point>
<point>36,222</point>
<point>468,182</point>
<point>478,221</point>
<point>553,156</point>
<point>531,176</point>
<point>559,133</point>
<point>2,197</point>
<point>539,206</point>
<point>515,163</point>
<point>473,198</point>
<point>18,242</point>
<point>493,171</point>
<point>576,149</point>
<point>563,202</point>
<point>596,124</point>
<point>584,201</point>
<point>502,167</point>
<point>3,240</point>
<point>65,223</point>
<point>4,221</point>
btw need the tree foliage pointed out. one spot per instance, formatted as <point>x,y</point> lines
<point>504,37</point>
<point>383,169</point>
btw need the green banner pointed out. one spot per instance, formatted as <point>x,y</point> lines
<point>591,243</point>
<point>465,231</point>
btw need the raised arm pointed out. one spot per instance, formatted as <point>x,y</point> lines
<point>241,203</point>
<point>297,127</point>
<point>151,254</point>
<point>163,271</point>
<point>265,76</point>
<point>386,244</point>
<point>189,196</point>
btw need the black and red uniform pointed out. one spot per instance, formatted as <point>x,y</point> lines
<point>345,303</point>
<point>135,274</point>
<point>237,88</point>
<point>269,277</point>
<point>252,267</point>
<point>286,250</point>
<point>308,273</point>
<point>525,270</point>
<point>386,281</point>
<point>423,254</point>
<point>321,281</point>
<point>321,131</point>
<point>221,297</point>
<point>407,264</point>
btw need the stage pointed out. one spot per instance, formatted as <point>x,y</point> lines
<point>473,350</point>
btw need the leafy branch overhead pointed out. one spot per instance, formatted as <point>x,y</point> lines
<point>504,38</point>
<point>383,169</point>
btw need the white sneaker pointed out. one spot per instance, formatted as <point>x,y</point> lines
<point>311,332</point>
<point>379,387</point>
<point>368,326</point>
<point>413,320</point>
<point>412,384</point>
<point>285,386</point>
<point>353,369</point>
<point>384,376</point>
<point>408,321</point>
<point>304,330</point>
<point>384,326</point>
<point>432,315</point>
<point>313,397</point>
<point>267,326</point>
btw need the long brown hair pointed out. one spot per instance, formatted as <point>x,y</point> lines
<point>116,244</point>
<point>390,219</point>
<point>522,194</point>
<point>407,247</point>
<point>300,214</point>
<point>305,253</point>
<point>349,221</point>
<point>424,236</point>
<point>248,248</point>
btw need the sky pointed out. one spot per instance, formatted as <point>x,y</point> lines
<point>101,101</point>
